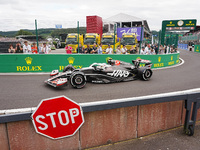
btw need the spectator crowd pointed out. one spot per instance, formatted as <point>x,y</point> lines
<point>154,49</point>
<point>29,49</point>
<point>147,49</point>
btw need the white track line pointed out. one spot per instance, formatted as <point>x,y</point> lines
<point>112,101</point>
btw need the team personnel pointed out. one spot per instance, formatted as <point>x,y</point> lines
<point>100,50</point>
<point>26,47</point>
<point>109,50</point>
<point>118,50</point>
<point>124,49</point>
<point>34,49</point>
<point>45,49</point>
<point>18,48</point>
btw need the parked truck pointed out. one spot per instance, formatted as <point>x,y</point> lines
<point>108,38</point>
<point>129,39</point>
<point>72,40</point>
<point>91,38</point>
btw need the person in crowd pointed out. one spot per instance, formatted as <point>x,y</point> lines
<point>99,49</point>
<point>40,47</point>
<point>171,49</point>
<point>133,50</point>
<point>143,51</point>
<point>18,48</point>
<point>152,46</point>
<point>26,47</point>
<point>83,49</point>
<point>151,51</point>
<point>88,49</point>
<point>45,49</point>
<point>79,49</point>
<point>94,49</point>
<point>124,49</point>
<point>68,49</point>
<point>175,50</point>
<point>165,48</point>
<point>11,49</point>
<point>137,47</point>
<point>146,48</point>
<point>109,50</point>
<point>161,49</point>
<point>168,49</point>
<point>156,49</point>
<point>118,50</point>
<point>34,49</point>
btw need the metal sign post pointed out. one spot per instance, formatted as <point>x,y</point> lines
<point>141,38</point>
<point>114,38</point>
<point>78,35</point>
<point>36,35</point>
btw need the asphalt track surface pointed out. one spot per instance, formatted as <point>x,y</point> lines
<point>22,91</point>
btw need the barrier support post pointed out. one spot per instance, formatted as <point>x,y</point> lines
<point>189,124</point>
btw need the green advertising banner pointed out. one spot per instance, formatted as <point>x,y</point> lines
<point>197,48</point>
<point>49,62</point>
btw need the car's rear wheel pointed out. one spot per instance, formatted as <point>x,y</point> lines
<point>78,80</point>
<point>145,74</point>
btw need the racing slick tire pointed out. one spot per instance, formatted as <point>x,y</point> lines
<point>145,74</point>
<point>68,68</point>
<point>78,80</point>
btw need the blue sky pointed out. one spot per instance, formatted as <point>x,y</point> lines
<point>20,14</point>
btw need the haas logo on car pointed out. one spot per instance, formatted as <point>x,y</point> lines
<point>119,73</point>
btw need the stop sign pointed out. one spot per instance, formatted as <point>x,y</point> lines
<point>57,117</point>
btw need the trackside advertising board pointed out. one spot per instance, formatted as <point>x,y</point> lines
<point>136,30</point>
<point>48,62</point>
<point>197,48</point>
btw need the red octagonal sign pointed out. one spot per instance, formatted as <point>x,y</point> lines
<point>57,117</point>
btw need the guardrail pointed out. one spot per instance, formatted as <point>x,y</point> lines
<point>183,46</point>
<point>48,62</point>
<point>196,48</point>
<point>129,110</point>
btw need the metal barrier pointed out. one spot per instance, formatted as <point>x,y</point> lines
<point>191,97</point>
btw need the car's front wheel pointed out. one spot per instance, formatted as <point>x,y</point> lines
<point>78,80</point>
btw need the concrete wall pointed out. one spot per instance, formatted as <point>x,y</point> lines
<point>100,128</point>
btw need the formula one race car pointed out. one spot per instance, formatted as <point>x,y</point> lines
<point>114,71</point>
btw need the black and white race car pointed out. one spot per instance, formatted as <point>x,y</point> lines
<point>113,71</point>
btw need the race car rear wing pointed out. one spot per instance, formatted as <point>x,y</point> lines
<point>138,61</point>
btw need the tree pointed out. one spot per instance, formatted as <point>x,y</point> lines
<point>23,32</point>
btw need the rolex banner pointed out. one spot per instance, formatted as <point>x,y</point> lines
<point>49,62</point>
<point>197,48</point>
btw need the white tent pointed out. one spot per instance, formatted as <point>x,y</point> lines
<point>125,20</point>
<point>121,17</point>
